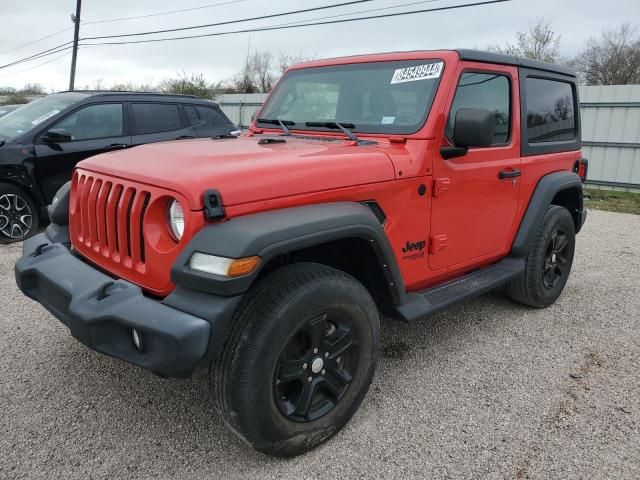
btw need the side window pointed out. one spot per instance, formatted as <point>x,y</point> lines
<point>192,115</point>
<point>155,117</point>
<point>550,111</point>
<point>94,121</point>
<point>489,91</point>
<point>206,120</point>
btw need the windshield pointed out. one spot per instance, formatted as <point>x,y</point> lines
<point>29,116</point>
<point>381,97</point>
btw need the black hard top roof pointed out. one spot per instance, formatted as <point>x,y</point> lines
<point>490,57</point>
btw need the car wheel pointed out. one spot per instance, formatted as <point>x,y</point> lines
<point>299,360</point>
<point>18,214</point>
<point>549,260</point>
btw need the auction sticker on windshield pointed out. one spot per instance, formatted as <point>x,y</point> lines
<point>417,72</point>
<point>42,118</point>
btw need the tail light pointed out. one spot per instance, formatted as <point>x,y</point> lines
<point>581,168</point>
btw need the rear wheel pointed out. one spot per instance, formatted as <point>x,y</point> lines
<point>549,260</point>
<point>299,360</point>
<point>18,214</point>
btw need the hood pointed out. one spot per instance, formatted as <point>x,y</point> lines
<point>243,170</point>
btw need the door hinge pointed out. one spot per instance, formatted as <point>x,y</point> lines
<point>437,243</point>
<point>440,185</point>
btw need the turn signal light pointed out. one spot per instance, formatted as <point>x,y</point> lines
<point>243,266</point>
<point>226,267</point>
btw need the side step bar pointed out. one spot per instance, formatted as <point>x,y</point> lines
<point>419,305</point>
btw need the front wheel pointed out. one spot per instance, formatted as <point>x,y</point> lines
<point>299,360</point>
<point>18,214</point>
<point>549,260</point>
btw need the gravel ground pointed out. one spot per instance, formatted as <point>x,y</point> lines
<point>488,389</point>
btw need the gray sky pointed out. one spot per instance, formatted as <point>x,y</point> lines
<point>220,57</point>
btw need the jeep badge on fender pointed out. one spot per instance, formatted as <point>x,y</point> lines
<point>269,257</point>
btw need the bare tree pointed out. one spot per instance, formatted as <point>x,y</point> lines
<point>611,59</point>
<point>285,60</point>
<point>243,82</point>
<point>262,67</point>
<point>262,70</point>
<point>133,87</point>
<point>540,42</point>
<point>98,84</point>
<point>32,89</point>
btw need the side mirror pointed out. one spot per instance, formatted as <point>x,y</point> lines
<point>473,127</point>
<point>56,135</point>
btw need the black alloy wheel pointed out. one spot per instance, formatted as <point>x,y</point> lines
<point>555,259</point>
<point>16,217</point>
<point>316,367</point>
<point>299,358</point>
<point>548,261</point>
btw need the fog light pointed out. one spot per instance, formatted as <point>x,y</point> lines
<point>137,341</point>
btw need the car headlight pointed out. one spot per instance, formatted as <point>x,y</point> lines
<point>176,220</point>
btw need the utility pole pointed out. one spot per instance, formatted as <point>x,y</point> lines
<point>76,20</point>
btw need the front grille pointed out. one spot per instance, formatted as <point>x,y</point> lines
<point>109,219</point>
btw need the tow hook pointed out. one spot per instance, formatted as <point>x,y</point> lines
<point>102,291</point>
<point>39,249</point>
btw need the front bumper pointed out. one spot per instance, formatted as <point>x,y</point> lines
<point>177,333</point>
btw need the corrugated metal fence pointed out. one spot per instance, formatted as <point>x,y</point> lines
<point>611,135</point>
<point>610,130</point>
<point>240,107</point>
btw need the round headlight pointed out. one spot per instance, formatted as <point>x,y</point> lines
<point>176,220</point>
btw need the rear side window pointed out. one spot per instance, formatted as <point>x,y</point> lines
<point>489,91</point>
<point>206,120</point>
<point>550,111</point>
<point>155,117</point>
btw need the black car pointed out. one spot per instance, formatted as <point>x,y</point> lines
<point>4,109</point>
<point>41,142</point>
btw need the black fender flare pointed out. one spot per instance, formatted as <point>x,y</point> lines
<point>548,187</point>
<point>272,233</point>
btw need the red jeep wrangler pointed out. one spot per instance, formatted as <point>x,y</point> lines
<point>399,183</point>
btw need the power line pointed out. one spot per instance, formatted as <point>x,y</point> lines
<point>289,26</point>
<point>40,54</point>
<point>44,53</point>
<point>35,66</point>
<point>228,22</point>
<point>360,12</point>
<point>201,7</point>
<point>65,46</point>
<point>36,41</point>
<point>163,13</point>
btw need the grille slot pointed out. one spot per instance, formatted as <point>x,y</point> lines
<point>129,207</point>
<point>145,205</point>
<point>109,220</point>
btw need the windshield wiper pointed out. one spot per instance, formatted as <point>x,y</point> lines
<point>276,121</point>
<point>342,126</point>
<point>223,135</point>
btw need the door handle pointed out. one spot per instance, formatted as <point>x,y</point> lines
<point>509,174</point>
<point>116,146</point>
